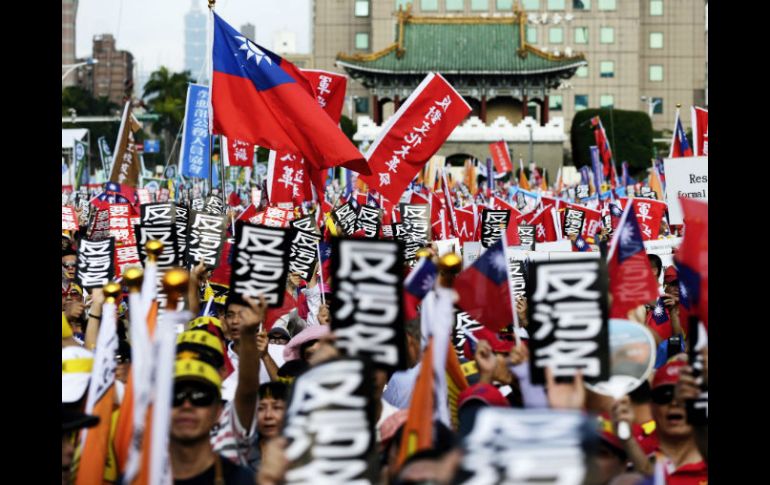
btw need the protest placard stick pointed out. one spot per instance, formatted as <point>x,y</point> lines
<point>320,274</point>
<point>510,293</point>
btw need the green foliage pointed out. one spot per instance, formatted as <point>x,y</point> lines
<point>84,103</point>
<point>348,127</point>
<point>632,137</point>
<point>164,94</point>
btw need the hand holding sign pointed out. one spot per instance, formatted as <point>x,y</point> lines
<point>253,316</point>
<point>569,395</point>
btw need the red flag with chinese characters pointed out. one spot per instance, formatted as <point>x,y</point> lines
<point>69,219</point>
<point>237,153</point>
<point>120,226</point>
<point>466,225</point>
<point>284,177</point>
<point>649,214</point>
<point>125,256</point>
<point>329,89</point>
<point>546,227</point>
<point>592,223</point>
<point>700,131</point>
<point>413,135</point>
<point>501,156</point>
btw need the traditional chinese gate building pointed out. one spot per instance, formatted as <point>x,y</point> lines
<point>488,61</point>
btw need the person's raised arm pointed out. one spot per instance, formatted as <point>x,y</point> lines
<point>622,411</point>
<point>270,366</point>
<point>193,295</point>
<point>94,318</point>
<point>248,362</point>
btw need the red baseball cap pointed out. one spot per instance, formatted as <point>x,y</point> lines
<point>607,433</point>
<point>497,344</point>
<point>486,393</point>
<point>668,375</point>
<point>670,275</point>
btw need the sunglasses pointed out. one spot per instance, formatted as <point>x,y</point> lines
<point>662,395</point>
<point>198,397</point>
<point>69,265</point>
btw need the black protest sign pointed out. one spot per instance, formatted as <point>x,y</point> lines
<point>573,221</point>
<point>493,223</point>
<point>416,228</point>
<point>306,224</point>
<point>260,263</point>
<point>648,193</point>
<point>165,234</point>
<point>518,270</point>
<point>85,210</point>
<point>527,446</point>
<point>397,228</point>
<point>157,214</point>
<point>303,253</point>
<point>330,425</point>
<point>345,217</point>
<point>583,191</point>
<point>205,238</point>
<point>198,204</point>
<point>95,265</point>
<point>464,325</point>
<point>369,221</point>
<point>181,229</point>
<point>567,309</point>
<point>366,307</point>
<point>607,223</point>
<point>214,205</point>
<point>527,236</point>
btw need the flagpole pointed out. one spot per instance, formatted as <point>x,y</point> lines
<point>320,273</point>
<point>510,291</point>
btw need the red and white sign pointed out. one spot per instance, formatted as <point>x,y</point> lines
<point>256,196</point>
<point>649,213</point>
<point>501,156</point>
<point>466,225</point>
<point>413,135</point>
<point>69,219</point>
<point>238,153</point>
<point>125,256</point>
<point>700,131</point>
<point>546,224</point>
<point>329,88</point>
<point>287,180</point>
<point>592,224</point>
<point>120,224</point>
<point>273,217</point>
<point>144,196</point>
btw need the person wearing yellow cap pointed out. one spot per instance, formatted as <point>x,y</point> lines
<point>197,405</point>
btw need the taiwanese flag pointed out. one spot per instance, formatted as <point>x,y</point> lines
<point>260,98</point>
<point>580,245</point>
<point>483,289</point>
<point>115,193</point>
<point>680,147</point>
<point>692,257</point>
<point>632,282</point>
<point>603,144</point>
<point>419,282</point>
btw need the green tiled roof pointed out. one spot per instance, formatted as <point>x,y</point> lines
<point>468,45</point>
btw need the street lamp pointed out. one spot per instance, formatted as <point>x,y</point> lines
<point>71,67</point>
<point>651,103</point>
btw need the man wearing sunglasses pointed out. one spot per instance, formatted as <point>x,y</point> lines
<point>196,408</point>
<point>677,452</point>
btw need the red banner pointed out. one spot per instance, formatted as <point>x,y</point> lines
<point>125,256</point>
<point>69,219</point>
<point>501,156</point>
<point>287,180</point>
<point>413,135</point>
<point>700,131</point>
<point>329,89</point>
<point>237,153</point>
<point>120,225</point>
<point>592,224</point>
<point>273,217</point>
<point>144,196</point>
<point>649,214</point>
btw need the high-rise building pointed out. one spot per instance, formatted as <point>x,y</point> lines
<point>249,31</point>
<point>69,10</point>
<point>634,48</point>
<point>113,75</point>
<point>194,39</point>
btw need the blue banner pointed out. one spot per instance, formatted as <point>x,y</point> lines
<point>195,155</point>
<point>597,167</point>
<point>151,146</point>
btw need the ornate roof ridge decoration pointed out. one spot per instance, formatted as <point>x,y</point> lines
<point>405,16</point>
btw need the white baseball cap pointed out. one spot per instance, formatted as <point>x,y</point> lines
<point>76,366</point>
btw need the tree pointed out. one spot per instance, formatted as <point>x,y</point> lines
<point>632,143</point>
<point>164,94</point>
<point>84,104</point>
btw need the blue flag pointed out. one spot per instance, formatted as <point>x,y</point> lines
<point>195,154</point>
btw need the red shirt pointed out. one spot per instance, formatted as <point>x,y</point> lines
<point>690,474</point>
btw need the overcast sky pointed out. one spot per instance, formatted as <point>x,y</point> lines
<point>153,30</point>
